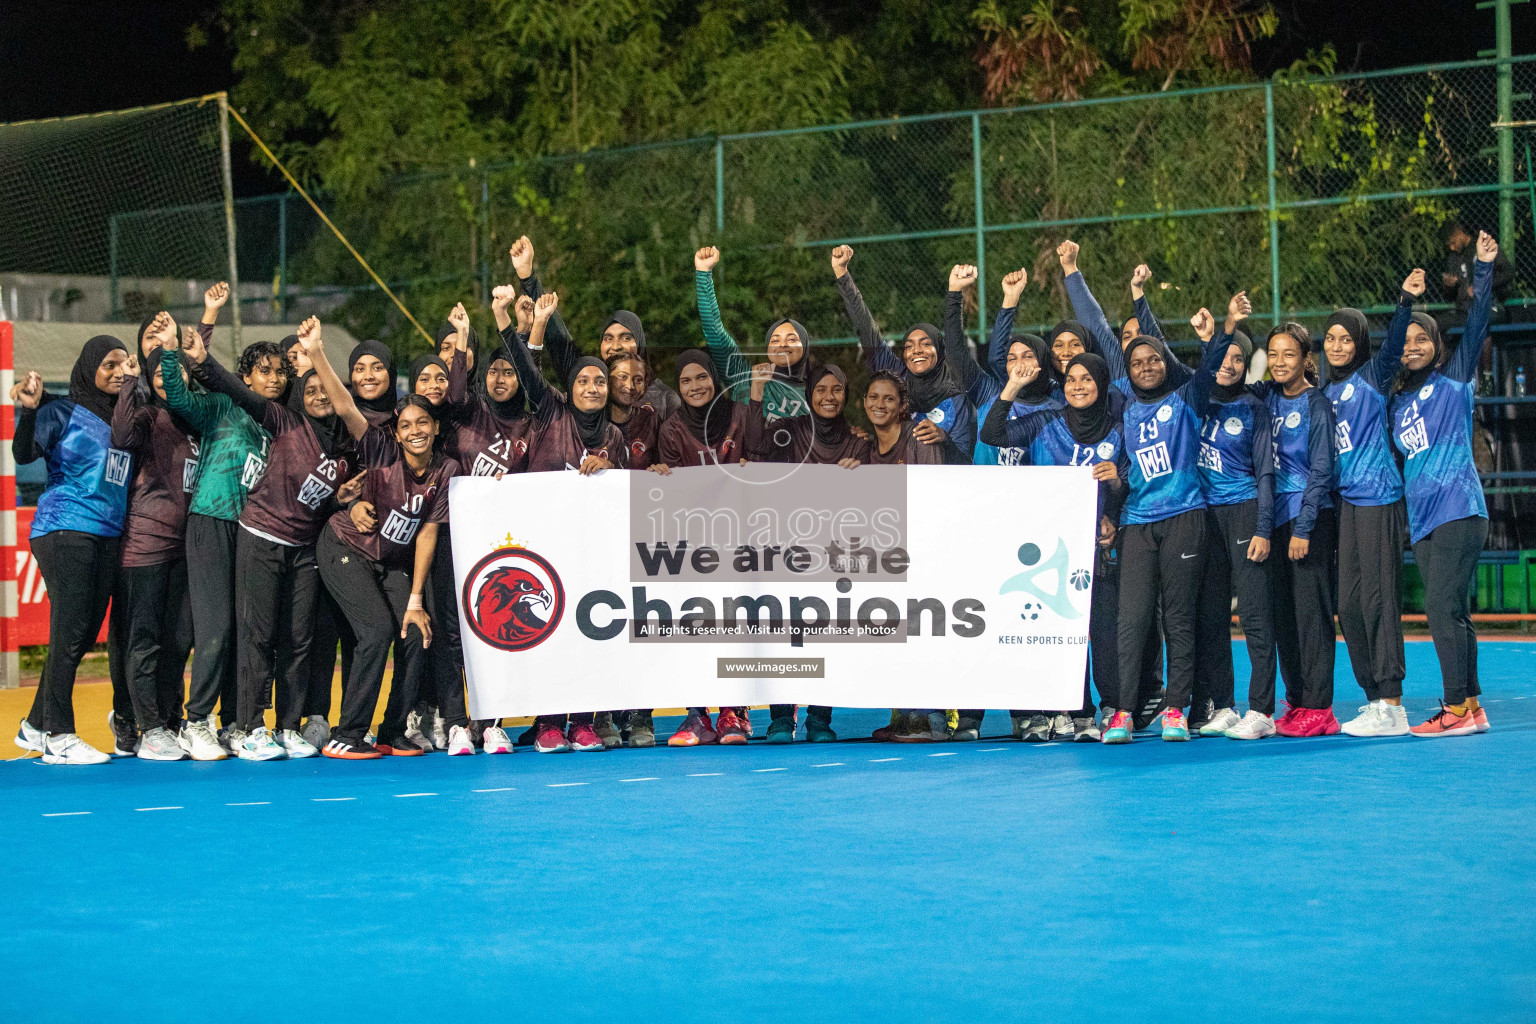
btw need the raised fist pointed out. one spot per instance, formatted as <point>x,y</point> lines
<point>1013,286</point>
<point>502,296</point>
<point>961,276</point>
<point>706,258</point>
<point>1067,253</point>
<point>1414,284</point>
<point>840,257</point>
<point>522,257</point>
<point>545,307</point>
<point>215,297</point>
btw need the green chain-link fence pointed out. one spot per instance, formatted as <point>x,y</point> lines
<point>1309,193</point>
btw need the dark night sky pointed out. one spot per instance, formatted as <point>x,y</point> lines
<point>76,56</point>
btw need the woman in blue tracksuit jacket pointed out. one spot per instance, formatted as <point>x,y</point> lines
<point>936,391</point>
<point>1431,417</point>
<point>1238,480</point>
<point>75,532</point>
<point>1162,532</point>
<point>1301,424</point>
<point>1085,433</point>
<point>1372,517</point>
<point>985,381</point>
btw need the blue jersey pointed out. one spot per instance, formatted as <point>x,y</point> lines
<point>1367,472</point>
<point>1432,427</point>
<point>1047,441</point>
<point>1106,340</point>
<point>957,418</point>
<point>1164,441</point>
<point>986,455</point>
<point>87,478</point>
<point>1237,457</point>
<point>1302,430</point>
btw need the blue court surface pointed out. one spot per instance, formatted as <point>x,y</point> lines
<point>1317,879</point>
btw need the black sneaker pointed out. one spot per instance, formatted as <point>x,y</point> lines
<point>125,735</point>
<point>399,747</point>
<point>345,749</point>
<point>528,735</point>
<point>1149,710</point>
<point>1200,713</point>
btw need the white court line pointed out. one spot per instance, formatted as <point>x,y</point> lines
<point>252,803</point>
<point>947,753</point>
<point>830,764</point>
<point>770,769</point>
<point>988,750</point>
<point>562,785</point>
<point>159,808</point>
<point>499,789</point>
<point>648,778</point>
<point>877,760</point>
<point>330,799</point>
<point>702,775</point>
<point>400,796</point>
<point>65,814</point>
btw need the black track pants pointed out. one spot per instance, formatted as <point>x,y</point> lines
<point>79,570</point>
<point>1228,571</point>
<point>1447,560</point>
<point>1370,606</point>
<point>274,626</point>
<point>446,655</point>
<point>211,593</point>
<point>373,600</point>
<point>1303,609</point>
<point>157,616</point>
<point>1160,560</point>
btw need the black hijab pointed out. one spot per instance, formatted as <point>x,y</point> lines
<point>1163,389</point>
<point>1407,380</point>
<point>927,389</point>
<point>592,426</point>
<point>82,377</point>
<point>1039,389</point>
<point>1093,424</point>
<point>1065,327</point>
<point>1225,393</point>
<point>830,434</point>
<point>709,424</point>
<point>444,330</point>
<point>513,407</point>
<point>283,348</point>
<point>795,373</point>
<point>418,364</point>
<point>1353,321</point>
<point>631,323</point>
<point>329,430</point>
<point>380,351</point>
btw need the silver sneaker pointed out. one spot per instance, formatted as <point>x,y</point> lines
<point>967,730</point>
<point>295,745</point>
<point>1061,727</point>
<point>1220,722</point>
<point>416,727</point>
<point>316,731</point>
<point>1084,730</point>
<point>1255,726</point>
<point>439,731</point>
<point>160,745</point>
<point>199,740</point>
<point>1036,729</point>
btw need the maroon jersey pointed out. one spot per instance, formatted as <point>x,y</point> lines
<point>794,439</point>
<point>401,499</point>
<point>678,447</point>
<point>482,443</point>
<point>640,436</point>
<point>165,457</point>
<point>907,451</point>
<point>557,444</point>
<point>294,497</point>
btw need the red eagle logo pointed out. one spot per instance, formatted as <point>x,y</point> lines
<point>513,599</point>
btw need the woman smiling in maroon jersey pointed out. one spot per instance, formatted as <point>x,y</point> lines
<point>379,577</point>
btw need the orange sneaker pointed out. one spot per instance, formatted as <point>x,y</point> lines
<point>729,727</point>
<point>1446,722</point>
<point>1480,719</point>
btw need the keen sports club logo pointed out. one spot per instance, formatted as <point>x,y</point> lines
<point>513,599</point>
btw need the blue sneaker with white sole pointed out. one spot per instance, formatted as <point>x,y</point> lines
<point>1175,726</point>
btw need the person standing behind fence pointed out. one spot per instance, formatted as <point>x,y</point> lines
<point>1372,517</point>
<point>1431,418</point>
<point>1237,477</point>
<point>76,531</point>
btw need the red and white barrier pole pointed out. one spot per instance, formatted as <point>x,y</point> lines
<point>10,632</point>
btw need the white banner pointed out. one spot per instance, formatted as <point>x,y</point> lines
<point>882,586</point>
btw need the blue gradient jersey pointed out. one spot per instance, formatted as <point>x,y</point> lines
<point>986,455</point>
<point>87,478</point>
<point>1432,427</point>
<point>1302,431</point>
<point>1107,340</point>
<point>1237,457</point>
<point>1164,441</point>
<point>1367,472</point>
<point>1050,443</point>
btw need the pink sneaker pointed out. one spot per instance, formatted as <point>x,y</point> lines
<point>1292,722</point>
<point>1480,719</point>
<point>1446,722</point>
<point>550,740</point>
<point>1319,722</point>
<point>584,737</point>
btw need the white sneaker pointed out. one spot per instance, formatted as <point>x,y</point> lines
<point>415,723</point>
<point>316,731</point>
<point>1220,722</point>
<point>295,745</point>
<point>439,731</point>
<point>459,741</point>
<point>230,739</point>
<point>200,742</point>
<point>497,741</point>
<point>258,745</point>
<point>28,738</point>
<point>1378,718</point>
<point>1255,726</point>
<point>1062,727</point>
<point>160,745</point>
<point>67,748</point>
